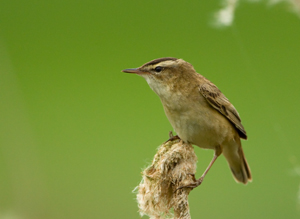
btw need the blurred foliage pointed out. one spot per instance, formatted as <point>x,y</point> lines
<point>75,131</point>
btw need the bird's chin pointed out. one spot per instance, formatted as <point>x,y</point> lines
<point>144,75</point>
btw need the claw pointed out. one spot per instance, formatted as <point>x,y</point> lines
<point>172,137</point>
<point>193,185</point>
<point>193,176</point>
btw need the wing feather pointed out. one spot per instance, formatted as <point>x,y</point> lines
<point>218,101</point>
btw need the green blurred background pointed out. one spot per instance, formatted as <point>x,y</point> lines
<point>75,132</point>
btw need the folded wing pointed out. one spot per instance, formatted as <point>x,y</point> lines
<point>218,101</point>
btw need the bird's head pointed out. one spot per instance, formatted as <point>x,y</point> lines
<point>164,74</point>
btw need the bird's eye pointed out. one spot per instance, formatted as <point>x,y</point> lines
<point>158,69</point>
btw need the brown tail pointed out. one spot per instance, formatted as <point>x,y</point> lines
<point>237,163</point>
<point>243,173</point>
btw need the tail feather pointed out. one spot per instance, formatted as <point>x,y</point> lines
<point>241,171</point>
<point>245,164</point>
<point>237,162</point>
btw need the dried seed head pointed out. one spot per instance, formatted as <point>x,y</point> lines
<point>170,169</point>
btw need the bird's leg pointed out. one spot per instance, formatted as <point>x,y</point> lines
<point>172,137</point>
<point>198,182</point>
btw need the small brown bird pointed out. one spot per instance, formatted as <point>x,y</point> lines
<point>198,111</point>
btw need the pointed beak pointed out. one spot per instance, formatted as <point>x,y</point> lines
<point>133,70</point>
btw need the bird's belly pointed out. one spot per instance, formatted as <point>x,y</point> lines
<point>200,133</point>
<point>206,129</point>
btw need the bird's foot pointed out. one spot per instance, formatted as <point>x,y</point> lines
<point>195,184</point>
<point>172,137</point>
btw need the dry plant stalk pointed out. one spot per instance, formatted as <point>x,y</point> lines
<point>170,168</point>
